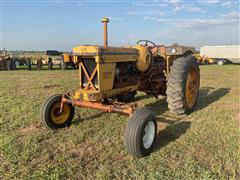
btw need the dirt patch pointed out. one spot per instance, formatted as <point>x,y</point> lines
<point>30,129</point>
<point>51,86</point>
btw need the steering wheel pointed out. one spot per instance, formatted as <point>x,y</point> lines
<point>146,43</point>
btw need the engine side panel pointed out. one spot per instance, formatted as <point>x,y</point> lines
<point>97,71</point>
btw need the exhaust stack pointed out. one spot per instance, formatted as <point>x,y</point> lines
<point>105,20</point>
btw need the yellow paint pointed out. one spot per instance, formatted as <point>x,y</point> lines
<point>119,58</point>
<point>82,50</point>
<point>106,59</point>
<point>144,58</point>
<point>66,57</point>
<point>106,75</point>
<point>99,95</point>
<point>192,86</point>
<point>61,118</point>
<point>105,19</point>
<point>75,59</point>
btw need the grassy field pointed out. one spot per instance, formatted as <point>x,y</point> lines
<point>203,145</point>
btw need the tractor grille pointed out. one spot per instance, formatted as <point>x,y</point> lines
<point>89,73</point>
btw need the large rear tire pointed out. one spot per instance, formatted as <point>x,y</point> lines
<point>183,85</point>
<point>141,133</point>
<point>50,113</point>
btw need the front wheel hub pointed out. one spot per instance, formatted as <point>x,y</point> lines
<point>192,86</point>
<point>57,116</point>
<point>51,115</point>
<point>149,134</point>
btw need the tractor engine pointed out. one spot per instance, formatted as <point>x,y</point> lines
<point>125,75</point>
<point>150,70</point>
<point>153,81</point>
<point>109,72</point>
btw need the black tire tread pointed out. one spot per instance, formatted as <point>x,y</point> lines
<point>44,117</point>
<point>139,117</point>
<point>176,84</point>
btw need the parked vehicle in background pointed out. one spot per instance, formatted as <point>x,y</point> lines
<point>68,61</point>
<point>222,54</point>
<point>203,60</point>
<point>53,58</point>
<point>38,58</point>
<point>6,62</point>
<point>28,58</point>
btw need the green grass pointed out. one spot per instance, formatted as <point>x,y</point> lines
<point>203,145</point>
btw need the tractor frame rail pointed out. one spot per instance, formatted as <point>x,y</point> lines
<point>109,108</point>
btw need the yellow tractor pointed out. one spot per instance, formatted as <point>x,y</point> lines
<point>111,76</point>
<point>6,61</point>
<point>203,60</point>
<point>68,60</point>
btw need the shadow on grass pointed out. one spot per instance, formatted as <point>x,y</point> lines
<point>171,133</point>
<point>80,119</point>
<point>140,97</point>
<point>206,97</point>
<point>177,127</point>
<point>159,107</point>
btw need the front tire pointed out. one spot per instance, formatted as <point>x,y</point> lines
<point>50,113</point>
<point>183,85</point>
<point>141,133</point>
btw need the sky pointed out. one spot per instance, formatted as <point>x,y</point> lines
<point>62,24</point>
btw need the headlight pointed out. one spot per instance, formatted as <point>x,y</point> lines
<point>173,50</point>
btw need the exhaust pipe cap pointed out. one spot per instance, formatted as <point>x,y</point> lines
<point>105,19</point>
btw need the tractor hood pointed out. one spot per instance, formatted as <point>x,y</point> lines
<point>101,51</point>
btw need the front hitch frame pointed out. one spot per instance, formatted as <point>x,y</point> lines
<point>108,108</point>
